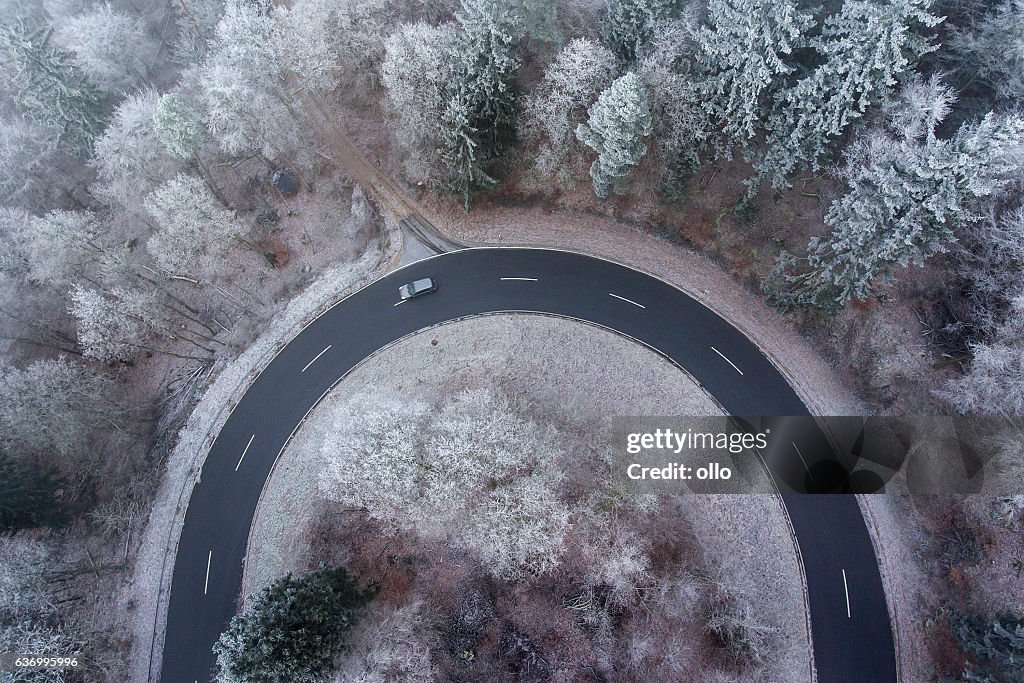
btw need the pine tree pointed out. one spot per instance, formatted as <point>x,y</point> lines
<point>489,59</point>
<point>867,49</point>
<point>616,127</point>
<point>292,630</point>
<point>462,155</point>
<point>48,87</point>
<point>910,193</point>
<point>747,51</point>
<point>630,26</point>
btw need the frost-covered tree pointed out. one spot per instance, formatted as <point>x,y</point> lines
<point>109,46</point>
<point>292,630</point>
<point>995,645</point>
<point>130,158</point>
<point>616,127</point>
<point>991,259</point>
<point>994,383</point>
<point>992,51</point>
<point>746,50</point>
<point>489,57</point>
<point>51,406</point>
<point>681,123</point>
<point>116,326</point>
<point>475,473</point>
<point>48,86</point>
<point>196,28</point>
<point>332,43</point>
<point>61,246</point>
<point>462,152</point>
<point>249,106</point>
<point>417,72</point>
<point>390,644</point>
<point>178,124</point>
<point>540,20</point>
<point>571,83</point>
<point>27,154</point>
<point>629,26</point>
<point>910,193</point>
<point>866,50</point>
<point>194,231</point>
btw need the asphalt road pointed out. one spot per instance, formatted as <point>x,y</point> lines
<point>850,622</point>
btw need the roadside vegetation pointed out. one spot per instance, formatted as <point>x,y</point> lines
<point>168,182</point>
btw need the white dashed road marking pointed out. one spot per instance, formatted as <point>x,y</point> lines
<point>727,360</point>
<point>802,459</point>
<point>846,590</point>
<point>244,451</point>
<point>316,358</point>
<point>626,300</point>
<point>209,561</point>
<point>401,302</point>
<point>522,279</point>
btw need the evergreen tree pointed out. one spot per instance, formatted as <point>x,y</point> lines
<point>630,26</point>
<point>489,60</point>
<point>866,49</point>
<point>616,127</point>
<point>461,153</point>
<point>29,497</point>
<point>48,87</point>
<point>746,49</point>
<point>996,646</point>
<point>292,630</point>
<point>478,121</point>
<point>909,194</point>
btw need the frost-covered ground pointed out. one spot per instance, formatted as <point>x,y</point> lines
<point>577,375</point>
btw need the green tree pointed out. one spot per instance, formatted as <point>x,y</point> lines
<point>616,127</point>
<point>48,87</point>
<point>292,630</point>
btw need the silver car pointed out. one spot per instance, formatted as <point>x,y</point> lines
<point>417,287</point>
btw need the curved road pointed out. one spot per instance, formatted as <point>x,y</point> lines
<point>850,622</point>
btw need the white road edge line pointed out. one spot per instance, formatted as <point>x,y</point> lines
<point>209,561</point>
<point>244,451</point>
<point>316,358</point>
<point>523,279</point>
<point>802,459</point>
<point>727,360</point>
<point>846,590</point>
<point>401,302</point>
<point>626,300</point>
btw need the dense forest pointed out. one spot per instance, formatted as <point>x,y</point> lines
<point>149,151</point>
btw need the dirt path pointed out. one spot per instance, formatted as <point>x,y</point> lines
<point>390,196</point>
